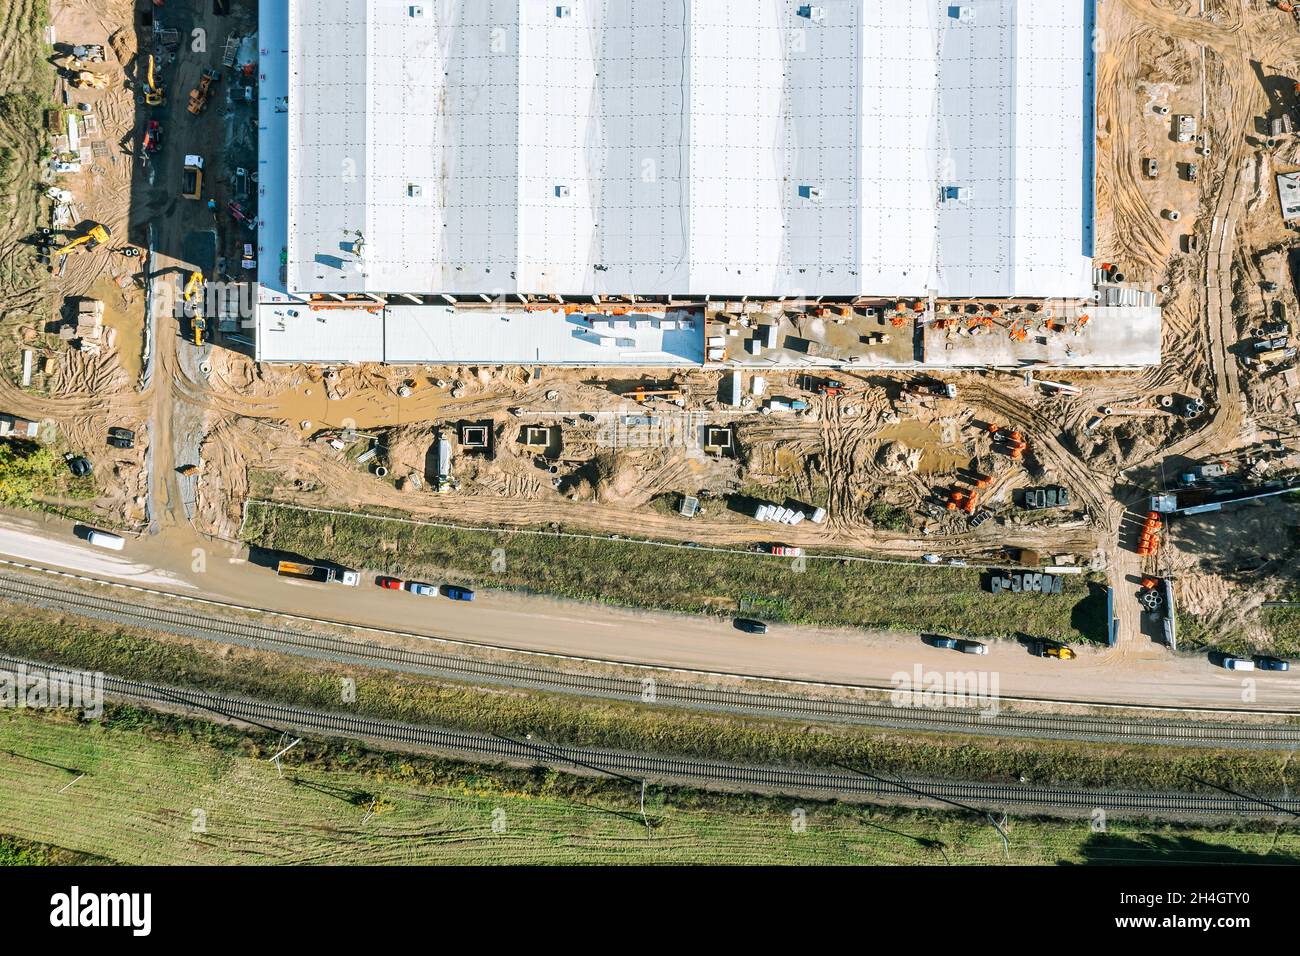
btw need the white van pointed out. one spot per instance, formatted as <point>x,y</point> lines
<point>103,539</point>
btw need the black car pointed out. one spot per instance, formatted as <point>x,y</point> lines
<point>121,438</point>
<point>750,626</point>
<point>1266,663</point>
<point>79,465</point>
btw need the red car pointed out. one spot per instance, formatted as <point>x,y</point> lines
<point>393,584</point>
<point>153,137</point>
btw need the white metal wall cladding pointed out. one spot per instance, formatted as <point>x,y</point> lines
<point>688,147</point>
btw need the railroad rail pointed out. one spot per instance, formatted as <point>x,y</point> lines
<point>685,770</point>
<point>983,718</point>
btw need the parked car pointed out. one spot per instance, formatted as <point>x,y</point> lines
<point>457,593</point>
<point>972,647</point>
<point>79,465</point>
<point>121,438</point>
<point>392,584</point>
<point>1266,663</point>
<point>786,551</point>
<point>105,539</point>
<point>946,643</point>
<point>749,625</point>
<point>422,589</point>
<point>1238,664</point>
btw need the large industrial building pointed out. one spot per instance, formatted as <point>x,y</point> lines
<point>417,157</point>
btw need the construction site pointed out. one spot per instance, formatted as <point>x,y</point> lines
<point>1108,308</point>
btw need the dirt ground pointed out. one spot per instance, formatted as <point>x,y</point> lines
<point>571,447</point>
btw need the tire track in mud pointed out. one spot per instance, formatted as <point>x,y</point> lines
<point>1135,230</point>
<point>1046,446</point>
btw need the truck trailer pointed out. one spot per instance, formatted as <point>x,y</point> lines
<point>316,572</point>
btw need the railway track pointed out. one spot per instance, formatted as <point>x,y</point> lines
<point>984,717</point>
<point>684,770</point>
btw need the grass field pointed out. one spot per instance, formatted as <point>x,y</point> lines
<point>17,852</point>
<point>1283,624</point>
<point>828,592</point>
<point>555,718</point>
<point>163,790</point>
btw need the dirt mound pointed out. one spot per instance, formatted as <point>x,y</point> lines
<point>895,458</point>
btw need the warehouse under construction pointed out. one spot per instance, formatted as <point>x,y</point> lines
<point>656,183</point>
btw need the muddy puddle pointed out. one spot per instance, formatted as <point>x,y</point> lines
<point>363,408</point>
<point>124,314</point>
<point>937,457</point>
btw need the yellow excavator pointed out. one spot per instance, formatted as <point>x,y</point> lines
<point>194,305</point>
<point>93,234</point>
<point>153,92</point>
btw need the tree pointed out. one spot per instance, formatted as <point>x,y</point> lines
<point>25,469</point>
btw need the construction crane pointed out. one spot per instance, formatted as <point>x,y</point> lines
<point>93,234</point>
<point>153,92</point>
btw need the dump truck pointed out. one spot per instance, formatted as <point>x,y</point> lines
<point>192,177</point>
<point>316,572</point>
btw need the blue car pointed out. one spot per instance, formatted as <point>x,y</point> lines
<point>425,590</point>
<point>1272,663</point>
<point>459,594</point>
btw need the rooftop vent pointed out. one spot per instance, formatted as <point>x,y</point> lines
<point>962,14</point>
<point>812,193</point>
<point>812,12</point>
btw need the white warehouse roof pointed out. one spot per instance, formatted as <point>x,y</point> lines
<point>690,147</point>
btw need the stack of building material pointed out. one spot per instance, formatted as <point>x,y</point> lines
<point>14,427</point>
<point>89,328</point>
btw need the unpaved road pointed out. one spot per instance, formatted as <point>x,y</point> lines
<point>177,562</point>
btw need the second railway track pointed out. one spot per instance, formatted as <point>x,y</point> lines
<point>821,783</point>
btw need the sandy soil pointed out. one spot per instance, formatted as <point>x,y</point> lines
<point>266,430</point>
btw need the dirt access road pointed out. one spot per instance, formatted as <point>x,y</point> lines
<point>508,620</point>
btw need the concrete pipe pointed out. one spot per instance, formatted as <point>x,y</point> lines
<point>1173,215</point>
<point>381,471</point>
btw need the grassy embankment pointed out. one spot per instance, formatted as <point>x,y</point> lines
<point>74,642</point>
<point>161,789</point>
<point>826,592</point>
